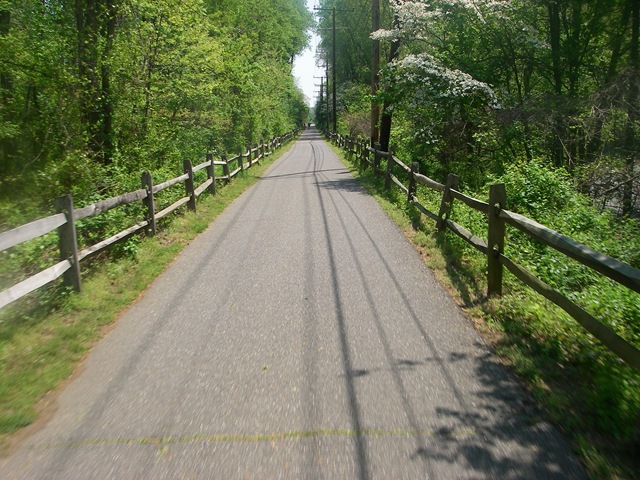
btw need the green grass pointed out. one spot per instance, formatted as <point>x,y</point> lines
<point>590,395</point>
<point>44,336</point>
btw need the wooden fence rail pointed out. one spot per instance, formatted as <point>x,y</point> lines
<point>493,248</point>
<point>65,221</point>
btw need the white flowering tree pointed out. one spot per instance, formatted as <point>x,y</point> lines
<point>438,84</point>
<point>546,63</point>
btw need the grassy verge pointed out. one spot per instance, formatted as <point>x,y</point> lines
<point>44,336</point>
<point>586,392</point>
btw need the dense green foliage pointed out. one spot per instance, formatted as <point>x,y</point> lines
<point>479,84</point>
<point>93,92</point>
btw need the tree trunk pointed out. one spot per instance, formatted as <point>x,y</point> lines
<point>8,147</point>
<point>556,68</point>
<point>106,99</point>
<point>385,118</point>
<point>618,37</point>
<point>375,76</point>
<point>5,79</point>
<point>95,23</point>
<point>632,114</point>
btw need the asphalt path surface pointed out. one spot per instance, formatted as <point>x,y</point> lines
<point>300,336</point>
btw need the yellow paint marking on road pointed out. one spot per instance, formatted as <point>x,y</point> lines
<point>455,434</point>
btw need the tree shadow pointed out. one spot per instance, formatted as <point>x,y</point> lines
<point>491,428</point>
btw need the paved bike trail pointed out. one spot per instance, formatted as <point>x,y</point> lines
<point>300,336</point>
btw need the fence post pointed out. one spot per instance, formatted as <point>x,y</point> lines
<point>188,185</point>
<point>389,172</point>
<point>364,159</point>
<point>415,167</point>
<point>147,184</point>
<point>497,201</point>
<point>225,167</point>
<point>211,174</point>
<point>241,161</point>
<point>376,158</point>
<point>447,200</point>
<point>68,242</point>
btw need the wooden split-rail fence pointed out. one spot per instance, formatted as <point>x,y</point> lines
<point>385,163</point>
<point>65,221</point>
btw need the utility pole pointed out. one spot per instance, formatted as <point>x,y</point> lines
<point>322,85</point>
<point>321,88</point>
<point>375,66</point>
<point>326,64</point>
<point>333,80</point>
<point>333,65</point>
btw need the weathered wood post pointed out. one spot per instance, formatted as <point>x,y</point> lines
<point>149,204</point>
<point>364,159</point>
<point>447,200</point>
<point>188,185</point>
<point>211,174</point>
<point>389,172</point>
<point>415,167</point>
<point>376,158</point>
<point>68,242</point>
<point>225,167</point>
<point>241,161</point>
<point>497,201</point>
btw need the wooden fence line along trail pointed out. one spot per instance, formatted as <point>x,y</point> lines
<point>67,216</point>
<point>493,247</point>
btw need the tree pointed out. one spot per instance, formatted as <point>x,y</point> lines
<point>94,91</point>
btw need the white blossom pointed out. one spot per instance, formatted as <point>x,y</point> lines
<point>424,79</point>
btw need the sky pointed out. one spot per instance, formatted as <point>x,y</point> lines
<point>304,66</point>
